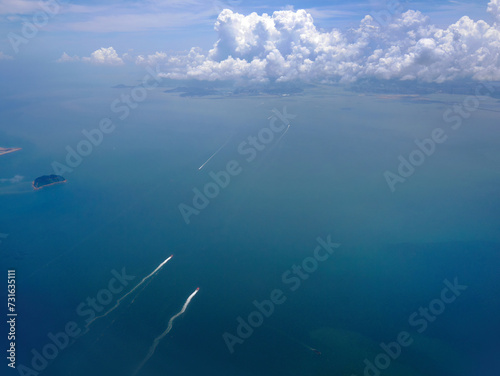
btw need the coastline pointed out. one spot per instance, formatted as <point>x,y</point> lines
<point>47,185</point>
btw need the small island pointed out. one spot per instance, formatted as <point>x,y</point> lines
<point>46,180</point>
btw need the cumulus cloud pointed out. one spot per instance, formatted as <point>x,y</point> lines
<point>494,9</point>
<point>15,179</point>
<point>102,56</point>
<point>287,46</point>
<point>154,59</point>
<point>65,58</point>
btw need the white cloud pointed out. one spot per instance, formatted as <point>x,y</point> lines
<point>143,15</point>
<point>117,16</point>
<point>329,12</point>
<point>104,56</point>
<point>15,179</point>
<point>154,59</point>
<point>494,9</point>
<point>65,58</point>
<point>5,57</point>
<point>286,45</point>
<point>18,6</point>
<point>140,22</point>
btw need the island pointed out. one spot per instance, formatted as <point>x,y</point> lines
<point>8,150</point>
<point>46,180</point>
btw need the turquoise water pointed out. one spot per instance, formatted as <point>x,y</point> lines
<point>120,209</point>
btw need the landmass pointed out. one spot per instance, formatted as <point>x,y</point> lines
<point>8,150</point>
<point>46,180</point>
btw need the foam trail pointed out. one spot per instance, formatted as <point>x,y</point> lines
<point>130,292</point>
<point>139,293</point>
<point>277,113</point>
<point>169,327</point>
<point>213,155</point>
<point>283,134</point>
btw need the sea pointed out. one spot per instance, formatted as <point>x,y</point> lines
<point>336,231</point>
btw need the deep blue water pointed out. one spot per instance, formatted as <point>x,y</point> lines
<point>119,209</point>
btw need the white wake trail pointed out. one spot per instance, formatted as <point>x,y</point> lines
<point>130,292</point>
<point>213,155</point>
<point>169,327</point>
<point>283,134</point>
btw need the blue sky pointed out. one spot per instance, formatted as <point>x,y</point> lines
<point>147,26</point>
<point>142,28</point>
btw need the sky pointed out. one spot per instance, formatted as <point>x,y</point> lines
<point>258,41</point>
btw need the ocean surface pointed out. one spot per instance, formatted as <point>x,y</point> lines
<point>119,213</point>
